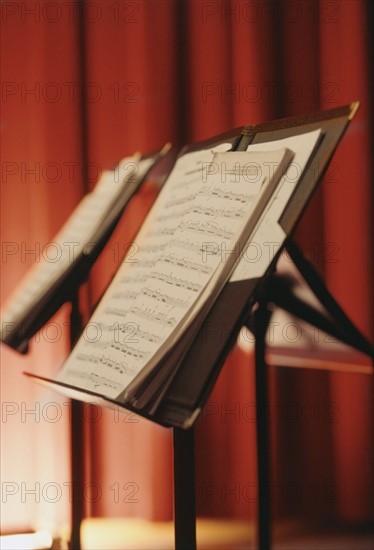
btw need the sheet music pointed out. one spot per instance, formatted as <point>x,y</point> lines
<point>269,237</point>
<point>196,210</point>
<point>109,318</point>
<point>74,238</point>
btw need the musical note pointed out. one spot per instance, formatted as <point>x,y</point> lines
<point>185,263</point>
<point>131,351</point>
<point>164,298</point>
<point>175,281</point>
<point>153,315</point>
<point>95,380</point>
<point>217,192</point>
<point>219,212</point>
<point>206,228</point>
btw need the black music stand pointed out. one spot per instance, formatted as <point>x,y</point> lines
<point>200,367</point>
<point>184,489</point>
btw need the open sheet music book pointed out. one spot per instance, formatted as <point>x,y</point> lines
<point>72,250</point>
<point>160,334</point>
<point>191,244</point>
<point>207,210</point>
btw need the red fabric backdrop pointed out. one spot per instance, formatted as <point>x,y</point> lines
<point>157,71</point>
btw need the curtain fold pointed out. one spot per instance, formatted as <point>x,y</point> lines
<point>158,71</point>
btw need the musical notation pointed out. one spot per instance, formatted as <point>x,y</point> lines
<point>218,192</point>
<point>208,228</point>
<point>219,212</point>
<point>120,367</point>
<point>185,263</point>
<point>149,336</point>
<point>130,279</point>
<point>95,379</point>
<point>164,231</point>
<point>164,298</point>
<point>116,311</point>
<point>131,333</point>
<point>154,315</point>
<point>131,352</point>
<point>176,281</point>
<point>187,244</point>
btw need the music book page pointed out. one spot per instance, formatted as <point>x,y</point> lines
<point>211,202</point>
<point>221,225</point>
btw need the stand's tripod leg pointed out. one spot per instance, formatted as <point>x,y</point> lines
<point>184,489</point>
<point>262,317</point>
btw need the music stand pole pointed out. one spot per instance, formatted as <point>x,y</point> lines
<point>184,489</point>
<point>76,439</point>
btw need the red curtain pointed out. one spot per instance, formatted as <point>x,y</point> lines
<point>83,89</point>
